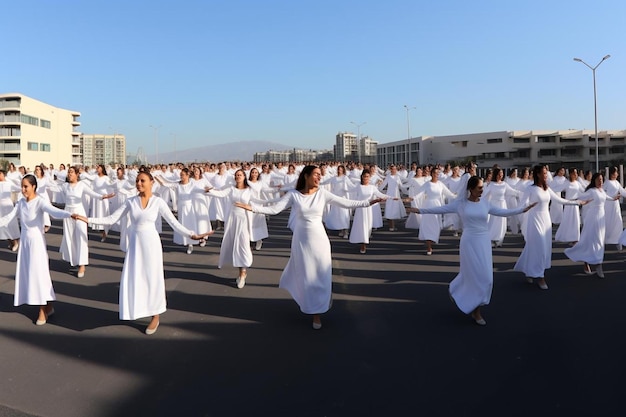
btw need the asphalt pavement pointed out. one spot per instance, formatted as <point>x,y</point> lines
<point>393,343</point>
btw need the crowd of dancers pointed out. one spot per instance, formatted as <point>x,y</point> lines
<point>350,200</point>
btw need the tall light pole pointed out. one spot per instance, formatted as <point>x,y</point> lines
<point>358,139</point>
<point>156,143</point>
<point>595,105</point>
<point>408,136</point>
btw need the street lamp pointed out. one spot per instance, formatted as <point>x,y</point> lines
<point>595,106</point>
<point>156,143</point>
<point>358,139</point>
<point>408,136</point>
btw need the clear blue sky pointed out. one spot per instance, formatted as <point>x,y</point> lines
<point>297,71</point>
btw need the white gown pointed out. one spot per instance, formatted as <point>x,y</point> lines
<point>472,286</point>
<point>338,218</point>
<point>308,274</point>
<point>142,286</point>
<point>434,193</point>
<point>363,216</point>
<point>235,249</point>
<point>394,209</point>
<point>536,256</point>
<point>33,284</point>
<point>590,247</point>
<point>497,196</point>
<point>569,229</point>
<point>259,223</point>
<point>613,212</point>
<point>12,229</point>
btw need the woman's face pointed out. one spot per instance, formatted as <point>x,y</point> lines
<point>254,174</point>
<point>598,182</point>
<point>573,175</point>
<point>313,179</point>
<point>72,175</point>
<point>614,175</point>
<point>143,183</point>
<point>477,191</point>
<point>340,171</point>
<point>365,178</point>
<point>239,177</point>
<point>500,176</point>
<point>120,174</point>
<point>196,173</point>
<point>38,172</point>
<point>99,170</point>
<point>184,177</point>
<point>28,190</point>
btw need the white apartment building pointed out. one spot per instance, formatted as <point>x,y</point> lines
<point>103,149</point>
<point>510,149</point>
<point>346,147</point>
<point>33,132</point>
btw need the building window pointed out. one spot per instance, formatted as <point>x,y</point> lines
<point>497,140</point>
<point>44,147</point>
<point>44,123</point>
<point>33,146</point>
<point>546,139</point>
<point>30,120</point>
<point>547,152</point>
<point>521,140</point>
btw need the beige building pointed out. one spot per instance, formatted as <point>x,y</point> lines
<point>33,132</point>
<point>511,149</point>
<point>103,149</point>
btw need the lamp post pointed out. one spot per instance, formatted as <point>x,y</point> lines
<point>156,143</point>
<point>358,139</point>
<point>408,136</point>
<point>595,106</point>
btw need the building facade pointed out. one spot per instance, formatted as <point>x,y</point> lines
<point>33,132</point>
<point>401,152</point>
<point>103,149</point>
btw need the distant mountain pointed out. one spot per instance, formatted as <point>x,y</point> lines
<point>234,151</point>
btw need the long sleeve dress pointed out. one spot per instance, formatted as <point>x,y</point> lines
<point>394,209</point>
<point>11,230</point>
<point>473,285</point>
<point>338,218</point>
<point>613,212</point>
<point>434,193</point>
<point>308,274</point>
<point>185,194</point>
<point>497,195</point>
<point>536,256</point>
<point>569,229</point>
<point>363,216</point>
<point>590,247</point>
<point>101,184</point>
<point>235,249</point>
<point>142,286</point>
<point>33,284</point>
<point>259,222</point>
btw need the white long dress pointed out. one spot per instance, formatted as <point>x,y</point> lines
<point>33,284</point>
<point>101,184</point>
<point>363,221</point>
<point>11,230</point>
<point>259,222</point>
<point>338,218</point>
<point>186,213</point>
<point>413,185</point>
<point>590,247</point>
<point>569,229</point>
<point>394,209</point>
<point>473,285</point>
<point>497,196</point>
<point>235,249</point>
<point>556,209</point>
<point>308,274</point>
<point>74,247</point>
<point>142,286</point>
<point>613,212</point>
<point>536,256</point>
<point>434,193</point>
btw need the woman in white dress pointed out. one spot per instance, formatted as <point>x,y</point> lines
<point>185,191</point>
<point>473,285</point>
<point>569,229</point>
<point>558,182</point>
<point>308,274</point>
<point>536,256</point>
<point>102,185</point>
<point>217,207</point>
<point>124,188</point>
<point>497,195</point>
<point>512,201</point>
<point>11,231</point>
<point>524,182</point>
<point>411,188</point>
<point>201,204</point>
<point>612,209</point>
<point>142,286</point>
<point>434,192</point>
<point>363,218</point>
<point>235,249</point>
<point>590,247</point>
<point>43,182</point>
<point>394,209</point>
<point>33,284</point>
<point>259,222</point>
<point>338,217</point>
<point>74,248</point>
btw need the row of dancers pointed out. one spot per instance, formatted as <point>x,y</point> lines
<point>308,202</point>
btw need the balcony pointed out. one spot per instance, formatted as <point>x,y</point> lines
<point>9,104</point>
<point>9,119</point>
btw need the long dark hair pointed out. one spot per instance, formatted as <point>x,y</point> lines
<point>592,184</point>
<point>538,176</point>
<point>306,172</point>
<point>245,179</point>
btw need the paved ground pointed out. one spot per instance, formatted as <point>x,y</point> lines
<point>393,343</point>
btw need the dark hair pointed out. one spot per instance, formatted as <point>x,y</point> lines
<point>537,172</point>
<point>495,173</point>
<point>146,172</point>
<point>31,179</point>
<point>364,173</point>
<point>75,168</point>
<point>253,169</point>
<point>612,170</point>
<point>473,182</point>
<point>104,169</point>
<point>245,180</point>
<point>592,184</point>
<point>306,172</point>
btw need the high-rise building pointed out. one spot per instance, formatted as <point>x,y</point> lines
<point>33,132</point>
<point>346,147</point>
<point>103,149</point>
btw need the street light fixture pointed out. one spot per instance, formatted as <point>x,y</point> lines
<point>358,139</point>
<point>408,137</point>
<point>595,106</point>
<point>156,143</point>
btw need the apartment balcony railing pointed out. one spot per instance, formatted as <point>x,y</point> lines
<point>10,147</point>
<point>9,104</point>
<point>9,119</point>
